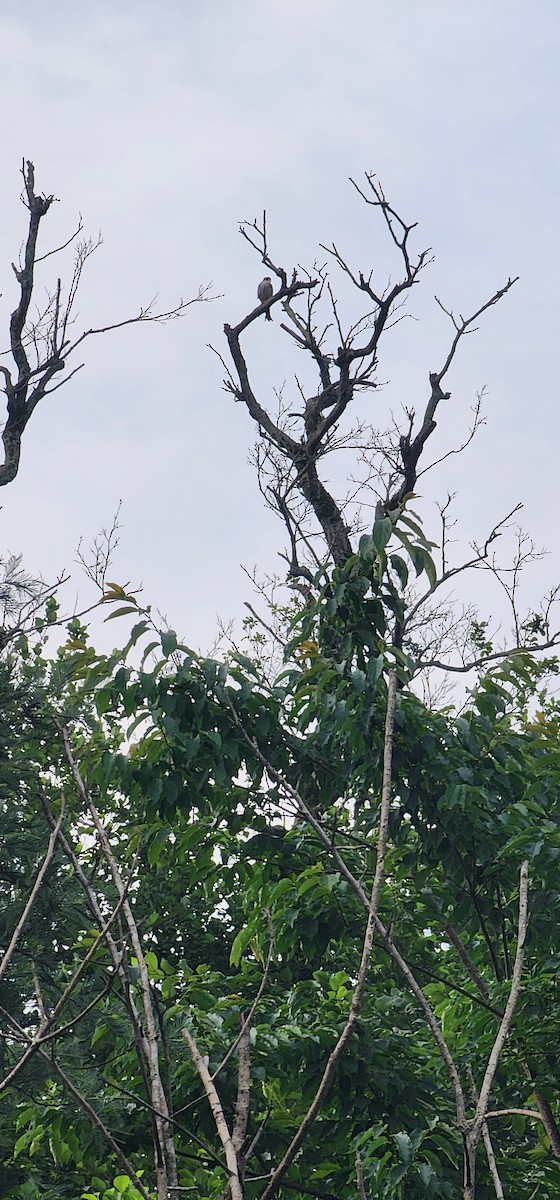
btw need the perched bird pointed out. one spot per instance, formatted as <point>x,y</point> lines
<point>265,291</point>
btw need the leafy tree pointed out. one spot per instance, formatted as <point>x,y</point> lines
<point>291,934</point>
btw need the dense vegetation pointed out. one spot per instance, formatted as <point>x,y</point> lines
<point>264,928</point>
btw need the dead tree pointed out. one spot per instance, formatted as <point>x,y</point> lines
<point>323,527</point>
<point>40,346</point>
<point>292,444</point>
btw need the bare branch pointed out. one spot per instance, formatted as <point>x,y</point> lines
<point>243,1085</point>
<point>464,326</point>
<point>64,245</point>
<point>507,1018</point>
<point>97,561</point>
<point>7,956</point>
<point>360,1185</point>
<point>487,1143</point>
<point>474,974</point>
<point>218,1115</point>
<point>533,1113</point>
<point>47,336</point>
<point>476,423</point>
<point>496,656</point>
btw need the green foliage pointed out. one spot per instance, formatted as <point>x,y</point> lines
<point>205,776</point>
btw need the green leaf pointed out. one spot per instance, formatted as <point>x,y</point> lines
<point>121,1183</point>
<point>239,945</point>
<point>124,611</point>
<point>168,642</point>
<point>404,1147</point>
<point>381,532</point>
<point>399,566</point>
<point>429,567</point>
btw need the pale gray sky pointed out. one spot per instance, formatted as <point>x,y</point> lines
<point>165,123</point>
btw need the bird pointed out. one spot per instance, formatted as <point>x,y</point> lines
<point>265,291</point>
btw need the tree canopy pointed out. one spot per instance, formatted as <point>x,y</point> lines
<point>272,923</point>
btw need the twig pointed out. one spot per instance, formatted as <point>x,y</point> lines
<point>33,894</point>
<point>467,961</point>
<point>360,1177</point>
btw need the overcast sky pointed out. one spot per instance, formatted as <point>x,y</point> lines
<point>166,123</point>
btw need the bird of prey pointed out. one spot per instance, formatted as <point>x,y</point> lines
<point>265,291</point>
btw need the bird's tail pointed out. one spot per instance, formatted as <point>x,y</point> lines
<point>267,315</point>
